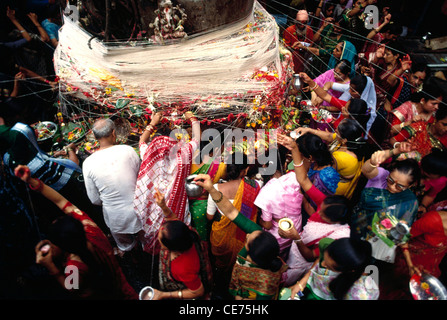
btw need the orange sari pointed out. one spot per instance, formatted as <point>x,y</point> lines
<point>226,238</point>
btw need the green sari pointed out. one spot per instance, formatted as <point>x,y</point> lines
<point>198,206</point>
<point>247,279</point>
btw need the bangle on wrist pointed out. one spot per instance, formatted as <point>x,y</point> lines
<point>299,240</point>
<point>314,87</point>
<point>220,199</point>
<point>180,294</point>
<point>298,165</point>
<point>37,188</point>
<point>372,165</point>
<point>402,125</point>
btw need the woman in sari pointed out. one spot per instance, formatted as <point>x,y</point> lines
<point>226,239</point>
<point>328,36</point>
<point>368,95</point>
<point>387,191</point>
<point>75,241</point>
<point>329,220</point>
<point>166,163</point>
<point>198,205</point>
<point>320,164</point>
<point>423,253</point>
<point>347,148</point>
<point>257,271</point>
<point>355,107</point>
<point>280,198</point>
<point>344,50</point>
<point>184,265</point>
<point>421,106</point>
<point>385,65</point>
<point>339,273</point>
<point>340,74</point>
<point>434,178</point>
<point>424,136</point>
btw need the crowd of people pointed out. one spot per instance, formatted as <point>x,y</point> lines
<point>119,221</point>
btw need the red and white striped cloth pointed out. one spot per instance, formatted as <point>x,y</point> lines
<point>165,165</point>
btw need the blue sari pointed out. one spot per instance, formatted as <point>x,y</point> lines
<point>349,53</point>
<point>402,205</point>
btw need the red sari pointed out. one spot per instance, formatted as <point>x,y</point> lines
<point>427,246</point>
<point>103,252</point>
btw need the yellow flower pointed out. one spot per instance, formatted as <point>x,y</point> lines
<point>253,124</point>
<point>259,122</point>
<point>424,285</point>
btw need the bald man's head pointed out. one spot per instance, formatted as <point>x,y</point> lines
<point>103,128</point>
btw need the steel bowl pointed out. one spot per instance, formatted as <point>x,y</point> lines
<point>192,189</point>
<point>427,287</point>
<point>51,126</point>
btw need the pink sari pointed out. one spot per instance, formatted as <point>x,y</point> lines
<point>325,77</point>
<point>314,230</point>
<point>165,165</point>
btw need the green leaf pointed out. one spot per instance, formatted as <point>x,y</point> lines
<point>121,103</point>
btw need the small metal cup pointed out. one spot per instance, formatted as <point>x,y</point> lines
<point>399,231</point>
<point>296,82</point>
<point>147,291</point>
<point>285,224</point>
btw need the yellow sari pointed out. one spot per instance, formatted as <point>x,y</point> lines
<point>226,238</point>
<point>350,170</point>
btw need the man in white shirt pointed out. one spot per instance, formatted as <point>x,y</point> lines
<point>110,176</point>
